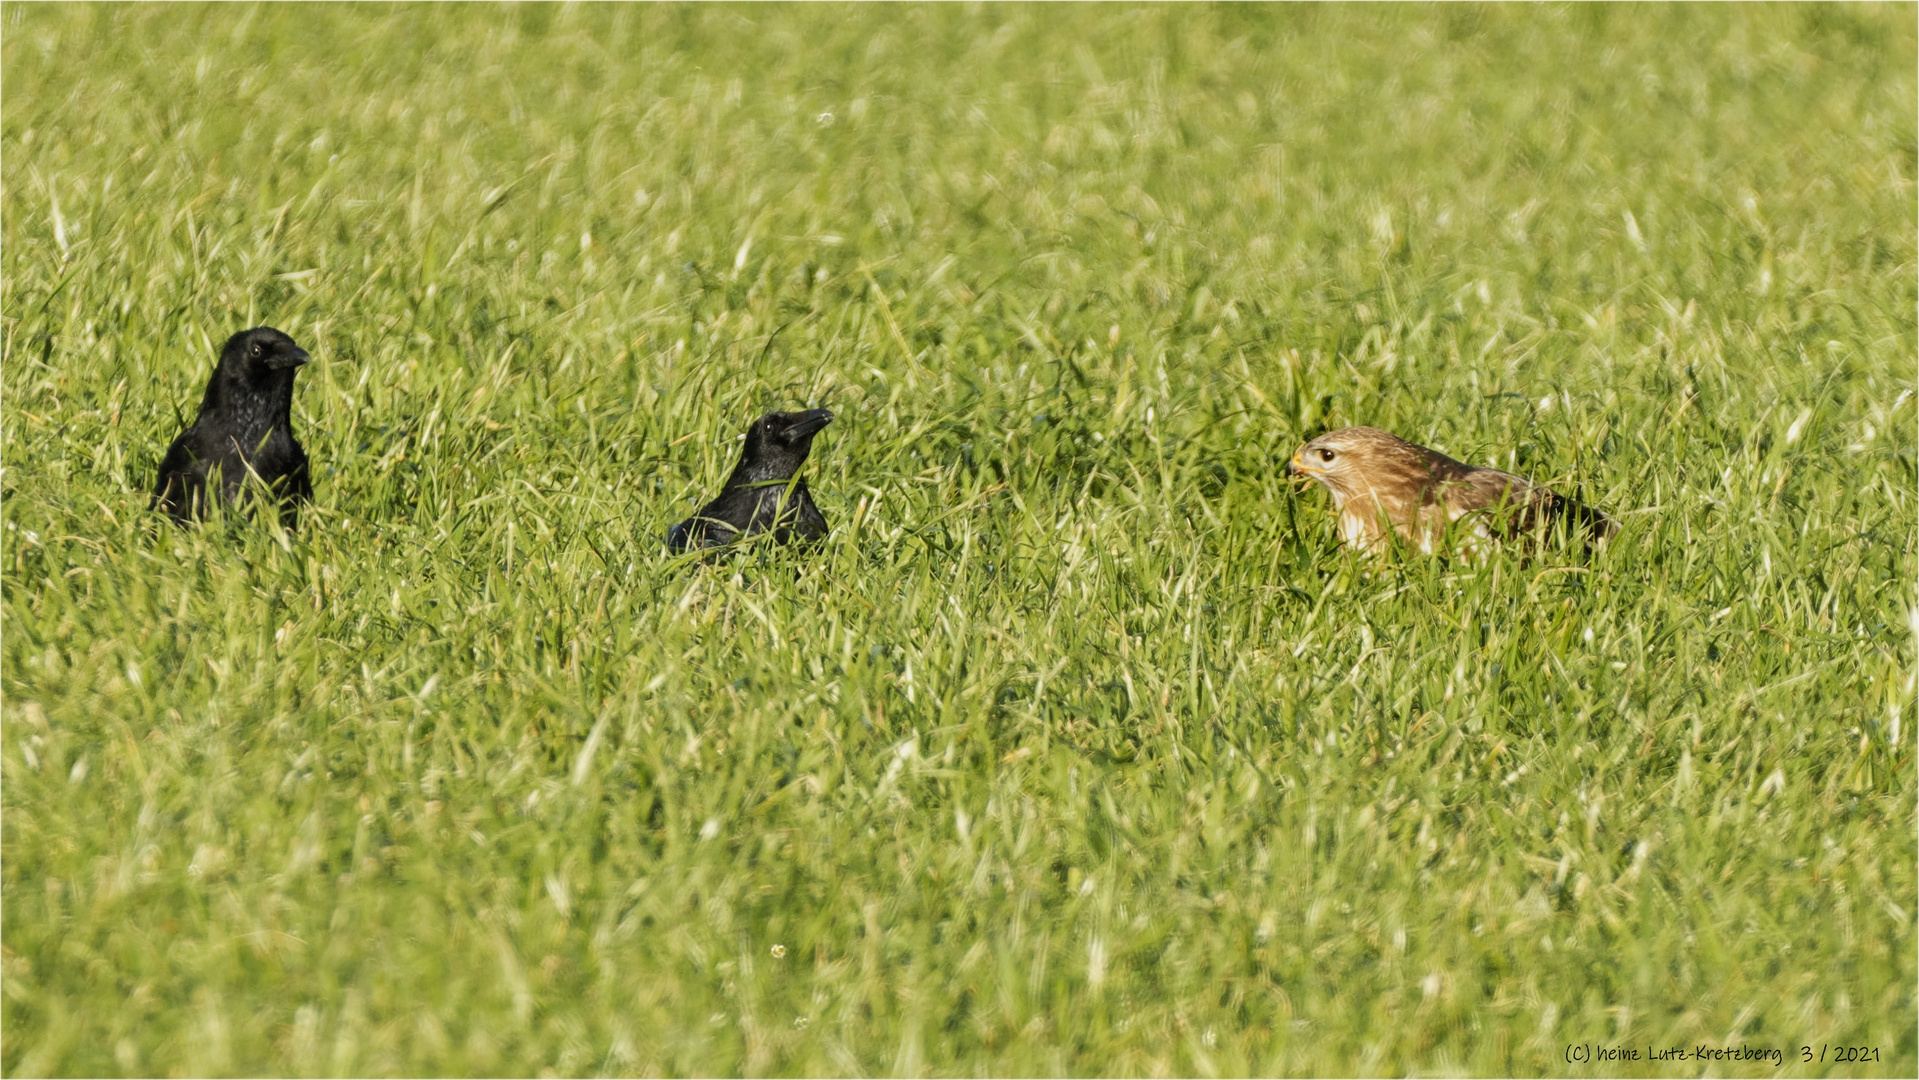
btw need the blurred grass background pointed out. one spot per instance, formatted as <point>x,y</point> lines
<point>1079,748</point>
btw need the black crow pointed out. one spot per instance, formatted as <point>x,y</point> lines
<point>245,425</point>
<point>765,491</point>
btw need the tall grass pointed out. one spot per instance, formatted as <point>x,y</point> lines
<point>1079,747</point>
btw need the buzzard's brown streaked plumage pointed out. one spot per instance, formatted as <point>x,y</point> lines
<point>1381,481</point>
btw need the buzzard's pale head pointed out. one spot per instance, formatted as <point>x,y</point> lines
<point>1362,460</point>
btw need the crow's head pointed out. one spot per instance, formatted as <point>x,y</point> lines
<point>777,443</point>
<point>261,356</point>
<point>793,430</point>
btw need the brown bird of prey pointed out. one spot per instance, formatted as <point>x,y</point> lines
<point>1381,482</point>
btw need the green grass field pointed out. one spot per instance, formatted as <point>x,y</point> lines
<point>1079,747</point>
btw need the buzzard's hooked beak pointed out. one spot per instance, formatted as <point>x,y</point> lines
<point>1297,469</point>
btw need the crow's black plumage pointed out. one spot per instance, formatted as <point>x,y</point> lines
<point>765,492</point>
<point>244,425</point>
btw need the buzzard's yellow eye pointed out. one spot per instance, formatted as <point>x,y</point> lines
<point>1325,455</point>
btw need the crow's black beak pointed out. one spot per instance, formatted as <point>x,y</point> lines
<point>809,422</point>
<point>289,358</point>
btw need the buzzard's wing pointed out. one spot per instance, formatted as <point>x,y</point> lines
<point>1515,506</point>
<point>1579,518</point>
<point>1504,501</point>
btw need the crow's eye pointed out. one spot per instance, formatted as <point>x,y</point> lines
<point>1325,455</point>
<point>258,350</point>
